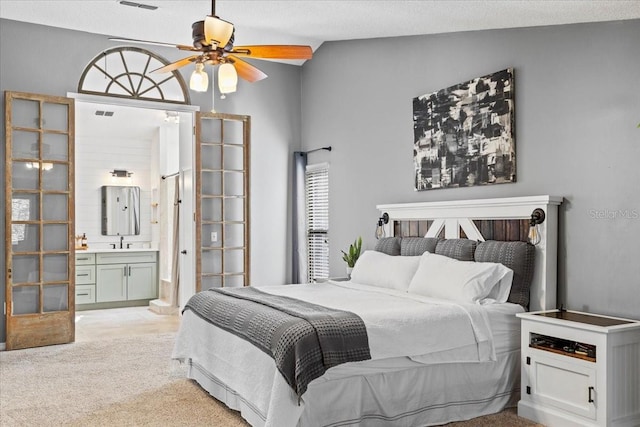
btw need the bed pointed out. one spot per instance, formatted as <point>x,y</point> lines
<point>433,359</point>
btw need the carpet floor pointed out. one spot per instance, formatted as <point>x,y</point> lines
<point>126,381</point>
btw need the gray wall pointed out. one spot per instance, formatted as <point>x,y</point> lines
<point>577,107</point>
<point>48,60</point>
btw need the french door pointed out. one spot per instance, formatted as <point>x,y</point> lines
<point>222,200</point>
<point>39,220</point>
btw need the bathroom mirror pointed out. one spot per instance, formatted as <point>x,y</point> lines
<point>120,210</point>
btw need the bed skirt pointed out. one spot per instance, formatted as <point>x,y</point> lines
<point>364,393</point>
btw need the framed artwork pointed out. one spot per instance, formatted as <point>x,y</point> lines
<point>464,134</point>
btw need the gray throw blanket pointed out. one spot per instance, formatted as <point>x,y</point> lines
<point>304,339</point>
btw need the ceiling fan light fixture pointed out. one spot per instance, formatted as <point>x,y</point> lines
<point>217,31</point>
<point>199,79</point>
<point>227,78</point>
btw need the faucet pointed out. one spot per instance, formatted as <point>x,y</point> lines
<point>121,239</point>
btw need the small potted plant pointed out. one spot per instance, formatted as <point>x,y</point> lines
<point>352,256</point>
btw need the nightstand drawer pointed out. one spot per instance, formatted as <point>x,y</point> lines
<point>85,294</point>
<point>85,274</point>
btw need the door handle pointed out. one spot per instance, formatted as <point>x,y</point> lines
<point>129,270</point>
<point>183,252</point>
<point>125,271</point>
<point>591,389</point>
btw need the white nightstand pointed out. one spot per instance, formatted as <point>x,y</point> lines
<point>580,369</point>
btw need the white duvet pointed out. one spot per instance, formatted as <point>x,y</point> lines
<point>403,324</point>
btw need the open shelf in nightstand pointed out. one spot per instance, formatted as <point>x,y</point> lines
<point>564,347</point>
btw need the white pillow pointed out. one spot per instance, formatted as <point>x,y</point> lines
<point>378,269</point>
<point>439,276</point>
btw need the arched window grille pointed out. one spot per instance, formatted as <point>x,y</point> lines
<point>125,72</point>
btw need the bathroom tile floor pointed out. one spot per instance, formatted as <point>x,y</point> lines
<point>94,325</point>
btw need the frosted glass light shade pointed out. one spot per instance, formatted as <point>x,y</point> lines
<point>217,31</point>
<point>227,78</point>
<point>199,79</point>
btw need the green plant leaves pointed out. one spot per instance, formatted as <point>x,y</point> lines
<point>354,253</point>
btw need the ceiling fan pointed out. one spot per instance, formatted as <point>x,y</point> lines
<point>213,38</point>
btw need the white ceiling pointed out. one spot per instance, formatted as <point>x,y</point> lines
<point>311,22</point>
<point>304,22</point>
<point>125,123</point>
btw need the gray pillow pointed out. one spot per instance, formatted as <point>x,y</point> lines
<point>460,249</point>
<point>388,245</point>
<point>415,246</point>
<point>518,256</point>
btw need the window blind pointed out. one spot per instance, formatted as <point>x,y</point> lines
<point>317,216</point>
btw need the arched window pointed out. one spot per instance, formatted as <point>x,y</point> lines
<point>125,72</point>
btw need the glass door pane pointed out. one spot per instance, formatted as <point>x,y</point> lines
<point>55,146</point>
<point>55,298</point>
<point>26,299</point>
<point>25,113</point>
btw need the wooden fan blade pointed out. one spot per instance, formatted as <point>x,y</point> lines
<point>274,51</point>
<point>246,70</point>
<point>176,65</point>
<point>179,46</point>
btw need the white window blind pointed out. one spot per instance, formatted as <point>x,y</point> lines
<point>317,202</point>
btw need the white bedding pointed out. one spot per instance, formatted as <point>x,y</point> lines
<point>484,341</point>
<point>398,322</point>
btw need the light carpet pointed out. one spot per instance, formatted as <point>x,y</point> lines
<point>121,382</point>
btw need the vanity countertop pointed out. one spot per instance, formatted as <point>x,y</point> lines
<point>109,250</point>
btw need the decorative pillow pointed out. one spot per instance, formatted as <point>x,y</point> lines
<point>385,271</point>
<point>439,276</point>
<point>416,246</point>
<point>460,249</point>
<point>388,245</point>
<point>519,257</point>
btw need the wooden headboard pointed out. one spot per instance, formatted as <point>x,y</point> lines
<point>466,218</point>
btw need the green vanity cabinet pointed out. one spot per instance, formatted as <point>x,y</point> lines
<point>123,276</point>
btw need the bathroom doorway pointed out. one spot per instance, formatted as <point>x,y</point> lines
<point>148,145</point>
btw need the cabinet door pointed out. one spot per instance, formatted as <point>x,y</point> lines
<point>111,282</point>
<point>142,282</point>
<point>565,383</point>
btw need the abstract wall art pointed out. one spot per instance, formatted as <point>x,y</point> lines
<point>464,134</point>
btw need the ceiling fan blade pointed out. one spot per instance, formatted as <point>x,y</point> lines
<point>246,70</point>
<point>274,51</point>
<point>179,46</point>
<point>176,65</point>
